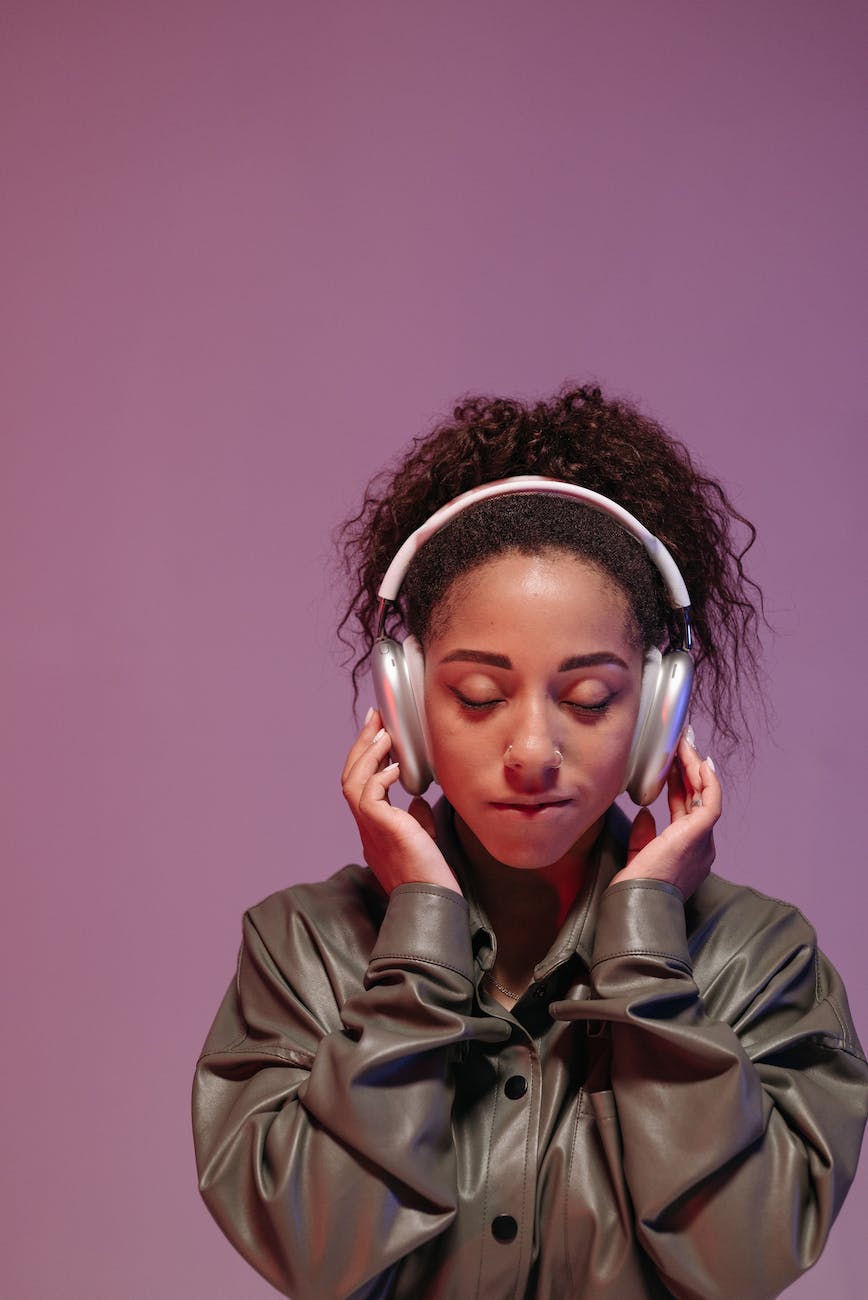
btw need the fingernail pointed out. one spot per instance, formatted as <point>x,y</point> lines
<point>393,767</point>
<point>710,761</point>
<point>379,736</point>
<point>691,737</point>
<point>368,716</point>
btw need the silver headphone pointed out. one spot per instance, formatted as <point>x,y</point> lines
<point>399,670</point>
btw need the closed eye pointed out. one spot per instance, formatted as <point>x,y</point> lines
<point>590,708</point>
<point>479,706</point>
<point>475,705</point>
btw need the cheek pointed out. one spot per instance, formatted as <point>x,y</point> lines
<point>437,735</point>
<point>466,757</point>
<point>461,751</point>
<point>613,761</point>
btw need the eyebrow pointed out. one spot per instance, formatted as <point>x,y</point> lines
<point>568,665</point>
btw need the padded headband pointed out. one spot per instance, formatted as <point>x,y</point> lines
<point>657,552</point>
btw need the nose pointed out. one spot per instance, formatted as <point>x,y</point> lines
<point>534,749</point>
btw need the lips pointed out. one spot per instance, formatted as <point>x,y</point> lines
<point>529,809</point>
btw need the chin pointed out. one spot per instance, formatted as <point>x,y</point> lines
<point>527,848</point>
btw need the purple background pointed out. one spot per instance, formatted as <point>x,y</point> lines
<point>248,250</point>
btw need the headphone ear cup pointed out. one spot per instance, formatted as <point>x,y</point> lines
<point>648,690</point>
<point>663,710</point>
<point>414,657</point>
<point>395,691</point>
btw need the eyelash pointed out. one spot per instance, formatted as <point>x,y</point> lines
<point>480,706</point>
<point>602,707</point>
<point>476,706</point>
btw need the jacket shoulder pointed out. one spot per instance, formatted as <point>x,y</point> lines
<point>743,911</point>
<point>329,924</point>
<point>749,949</point>
<point>349,889</point>
<point>752,954</point>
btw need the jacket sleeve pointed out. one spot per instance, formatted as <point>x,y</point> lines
<point>741,1109</point>
<point>325,1151</point>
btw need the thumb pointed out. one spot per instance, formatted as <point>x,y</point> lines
<point>642,833</point>
<point>422,813</point>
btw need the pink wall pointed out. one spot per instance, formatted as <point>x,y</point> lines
<point>247,251</point>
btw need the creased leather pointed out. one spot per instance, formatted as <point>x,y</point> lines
<point>695,1098</point>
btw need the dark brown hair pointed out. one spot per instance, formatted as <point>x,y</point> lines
<point>606,445</point>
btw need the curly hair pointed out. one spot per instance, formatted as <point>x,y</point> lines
<point>609,446</point>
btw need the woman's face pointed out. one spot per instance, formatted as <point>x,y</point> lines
<point>535,657</point>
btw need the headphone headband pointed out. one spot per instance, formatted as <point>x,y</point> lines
<point>657,552</point>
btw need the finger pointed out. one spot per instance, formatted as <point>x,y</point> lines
<point>689,757</point>
<point>642,833</point>
<point>363,760</point>
<point>375,793</point>
<point>711,790</point>
<point>706,803</point>
<point>678,794</point>
<point>424,816</point>
<point>371,725</point>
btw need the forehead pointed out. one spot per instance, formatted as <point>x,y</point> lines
<point>552,596</point>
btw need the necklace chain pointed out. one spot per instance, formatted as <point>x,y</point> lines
<point>509,993</point>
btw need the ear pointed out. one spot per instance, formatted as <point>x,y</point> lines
<point>414,657</point>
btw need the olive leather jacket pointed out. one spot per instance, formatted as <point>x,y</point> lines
<point>674,1107</point>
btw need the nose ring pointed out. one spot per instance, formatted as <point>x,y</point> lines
<point>556,759</point>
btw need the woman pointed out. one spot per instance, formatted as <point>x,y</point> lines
<point>532,1049</point>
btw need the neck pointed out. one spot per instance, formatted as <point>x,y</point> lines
<point>526,906</point>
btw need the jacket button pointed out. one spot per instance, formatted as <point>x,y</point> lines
<point>504,1227</point>
<point>515,1087</point>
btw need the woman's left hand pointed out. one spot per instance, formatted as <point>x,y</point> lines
<point>683,852</point>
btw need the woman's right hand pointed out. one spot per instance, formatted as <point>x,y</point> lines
<point>398,846</point>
